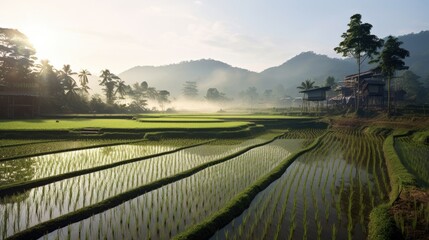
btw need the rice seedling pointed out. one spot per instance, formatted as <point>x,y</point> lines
<point>344,169</point>
<point>203,194</point>
<point>60,163</point>
<point>414,156</point>
<point>44,147</point>
<point>323,194</point>
<point>119,179</point>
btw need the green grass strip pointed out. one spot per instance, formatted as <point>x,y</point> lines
<point>180,120</point>
<point>22,186</point>
<point>69,149</point>
<point>421,137</point>
<point>398,174</point>
<point>381,225</point>
<point>242,201</point>
<point>43,228</point>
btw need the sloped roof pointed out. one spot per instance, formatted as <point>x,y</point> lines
<point>316,89</point>
<point>370,73</point>
<point>374,82</point>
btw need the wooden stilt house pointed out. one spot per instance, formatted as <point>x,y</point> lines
<point>317,95</point>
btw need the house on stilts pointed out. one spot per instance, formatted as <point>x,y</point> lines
<point>316,96</point>
<point>369,88</point>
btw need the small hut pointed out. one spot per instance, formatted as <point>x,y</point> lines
<point>317,95</point>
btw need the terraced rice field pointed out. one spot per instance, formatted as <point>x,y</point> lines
<point>158,190</point>
<point>325,194</point>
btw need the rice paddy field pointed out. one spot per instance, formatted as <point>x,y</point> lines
<point>328,183</point>
<point>326,193</point>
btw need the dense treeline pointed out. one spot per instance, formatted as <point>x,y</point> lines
<point>58,88</point>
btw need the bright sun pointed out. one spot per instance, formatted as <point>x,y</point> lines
<point>43,40</point>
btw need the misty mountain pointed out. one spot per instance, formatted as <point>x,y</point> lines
<point>207,73</point>
<point>307,65</point>
<point>210,73</point>
<point>418,46</point>
<point>231,80</point>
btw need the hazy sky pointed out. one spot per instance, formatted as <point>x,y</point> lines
<point>252,34</point>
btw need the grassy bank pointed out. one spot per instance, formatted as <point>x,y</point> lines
<point>398,174</point>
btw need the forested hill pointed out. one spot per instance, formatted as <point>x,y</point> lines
<point>207,73</point>
<point>418,45</point>
<point>210,73</point>
<point>307,65</point>
<point>231,80</point>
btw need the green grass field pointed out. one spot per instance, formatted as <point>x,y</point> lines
<point>178,119</point>
<point>68,124</point>
<point>223,116</point>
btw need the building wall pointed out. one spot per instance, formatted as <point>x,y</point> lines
<point>14,106</point>
<point>316,95</point>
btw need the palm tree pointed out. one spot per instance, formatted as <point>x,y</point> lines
<point>306,85</point>
<point>50,82</point>
<point>121,88</point>
<point>109,81</point>
<point>83,78</point>
<point>44,67</point>
<point>71,89</point>
<point>66,79</point>
<point>45,71</point>
<point>152,93</point>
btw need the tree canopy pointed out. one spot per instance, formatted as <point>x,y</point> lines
<point>391,57</point>
<point>330,82</point>
<point>389,61</point>
<point>109,81</point>
<point>83,78</point>
<point>410,82</point>
<point>190,89</point>
<point>359,43</point>
<point>306,85</point>
<point>16,57</point>
<point>213,95</point>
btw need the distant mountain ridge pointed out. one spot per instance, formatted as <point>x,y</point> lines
<point>209,73</point>
<point>418,46</point>
<point>307,65</point>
